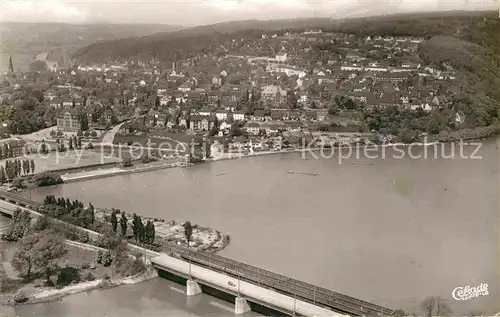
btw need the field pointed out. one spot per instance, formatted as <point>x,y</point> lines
<point>68,159</point>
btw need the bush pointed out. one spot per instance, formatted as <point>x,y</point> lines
<point>67,276</point>
<point>109,241</point>
<point>46,179</point>
<point>106,259</point>
<point>90,277</point>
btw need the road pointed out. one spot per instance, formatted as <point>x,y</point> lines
<point>110,135</point>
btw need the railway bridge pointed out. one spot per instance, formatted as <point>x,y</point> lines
<point>249,287</point>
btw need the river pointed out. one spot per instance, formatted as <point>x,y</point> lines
<point>392,231</point>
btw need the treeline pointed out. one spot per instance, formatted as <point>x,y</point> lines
<point>10,151</point>
<point>69,211</point>
<point>74,212</point>
<point>16,168</point>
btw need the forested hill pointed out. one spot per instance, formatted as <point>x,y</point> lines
<point>167,46</point>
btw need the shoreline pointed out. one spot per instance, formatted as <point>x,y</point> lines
<point>116,171</point>
<point>51,295</point>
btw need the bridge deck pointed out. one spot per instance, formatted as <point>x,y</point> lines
<point>263,296</point>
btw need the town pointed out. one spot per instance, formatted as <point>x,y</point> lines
<point>252,94</point>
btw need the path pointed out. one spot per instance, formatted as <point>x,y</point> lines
<point>110,135</point>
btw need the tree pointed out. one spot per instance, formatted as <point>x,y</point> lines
<point>188,232</point>
<point>39,252</point>
<point>24,258</point>
<point>123,224</point>
<point>84,123</point>
<point>137,227</point>
<point>435,306</point>
<point>49,249</point>
<point>79,142</point>
<point>106,259</point>
<point>114,221</point>
<point>149,232</point>
<point>3,176</point>
<point>43,148</point>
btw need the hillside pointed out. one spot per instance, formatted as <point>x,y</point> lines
<point>415,24</point>
<point>166,46</point>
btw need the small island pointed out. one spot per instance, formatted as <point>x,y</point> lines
<point>72,248</point>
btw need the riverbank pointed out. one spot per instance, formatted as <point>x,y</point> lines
<point>92,275</point>
<point>46,295</point>
<point>108,172</point>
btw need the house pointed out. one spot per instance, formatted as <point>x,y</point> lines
<point>56,103</point>
<point>259,115</point>
<point>238,116</point>
<point>67,102</point>
<point>239,142</point>
<point>183,122</point>
<point>274,93</point>
<point>184,88</point>
<point>49,95</point>
<point>252,128</point>
<point>281,57</point>
<point>225,125</point>
<point>221,115</point>
<point>202,123</point>
<point>302,97</point>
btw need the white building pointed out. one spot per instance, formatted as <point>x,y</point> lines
<point>238,116</point>
<point>282,57</point>
<point>221,115</point>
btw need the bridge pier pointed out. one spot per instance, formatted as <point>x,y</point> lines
<point>192,288</point>
<point>241,306</point>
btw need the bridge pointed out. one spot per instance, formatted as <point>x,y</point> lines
<point>246,285</point>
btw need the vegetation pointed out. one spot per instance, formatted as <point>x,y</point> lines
<point>21,225</point>
<point>143,234</point>
<point>16,168</point>
<point>72,212</point>
<point>435,306</point>
<point>38,252</point>
<point>188,231</point>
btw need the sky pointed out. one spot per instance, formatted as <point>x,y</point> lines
<point>200,12</point>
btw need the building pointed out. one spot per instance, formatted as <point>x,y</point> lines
<point>274,93</point>
<point>202,123</point>
<point>70,121</point>
<point>238,116</point>
<point>282,57</point>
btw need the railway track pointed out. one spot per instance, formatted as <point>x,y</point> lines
<point>309,292</point>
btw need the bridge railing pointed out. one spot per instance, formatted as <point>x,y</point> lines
<point>314,294</point>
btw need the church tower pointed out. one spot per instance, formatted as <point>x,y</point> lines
<point>11,66</point>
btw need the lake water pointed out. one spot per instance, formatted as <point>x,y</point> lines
<point>391,231</point>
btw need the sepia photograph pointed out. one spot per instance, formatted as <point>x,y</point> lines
<point>222,158</point>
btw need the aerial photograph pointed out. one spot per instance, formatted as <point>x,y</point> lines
<point>322,158</point>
